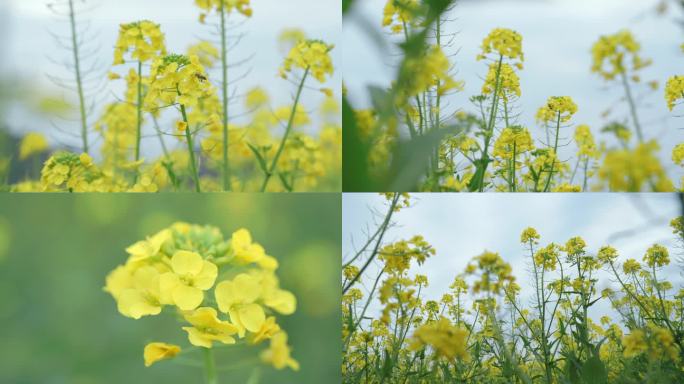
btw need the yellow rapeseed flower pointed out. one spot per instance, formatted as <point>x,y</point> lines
<point>32,144</point>
<point>155,352</point>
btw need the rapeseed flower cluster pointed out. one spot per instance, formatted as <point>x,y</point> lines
<point>224,290</point>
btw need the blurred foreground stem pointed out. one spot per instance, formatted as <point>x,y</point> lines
<point>210,366</point>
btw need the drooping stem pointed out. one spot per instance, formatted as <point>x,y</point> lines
<point>138,131</point>
<point>274,165</point>
<point>224,91</point>
<point>632,107</point>
<point>191,150</point>
<point>79,78</point>
<point>210,366</point>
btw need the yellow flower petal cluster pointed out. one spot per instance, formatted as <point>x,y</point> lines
<point>513,141</point>
<point>612,55</point>
<point>633,170</point>
<point>493,272</point>
<point>177,79</point>
<point>656,342</point>
<point>144,39</point>
<point>557,108</point>
<point>242,6</point>
<point>509,82</point>
<point>447,340</point>
<point>32,144</point>
<point>678,154</point>
<point>504,43</point>
<point>400,13</point>
<point>311,55</point>
<point>278,354</point>
<point>529,235</point>
<point>397,256</point>
<point>586,145</point>
<point>428,71</point>
<point>66,171</point>
<point>674,91</point>
<point>177,265</point>
<point>657,256</point>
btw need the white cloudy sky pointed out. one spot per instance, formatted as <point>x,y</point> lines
<point>558,35</point>
<point>29,48</point>
<point>463,226</point>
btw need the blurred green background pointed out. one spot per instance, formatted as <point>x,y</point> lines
<point>58,326</point>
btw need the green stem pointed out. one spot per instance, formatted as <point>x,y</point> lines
<point>224,90</point>
<point>210,366</point>
<point>274,165</point>
<point>632,107</point>
<point>555,149</point>
<point>138,132</point>
<point>79,80</point>
<point>484,161</point>
<point>191,151</point>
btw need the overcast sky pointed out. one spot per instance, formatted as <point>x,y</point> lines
<point>463,226</point>
<point>31,48</point>
<point>557,39</point>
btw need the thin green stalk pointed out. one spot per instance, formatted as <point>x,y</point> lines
<point>138,132</point>
<point>191,151</point>
<point>632,107</point>
<point>482,167</point>
<point>210,366</point>
<point>79,79</point>
<point>161,137</point>
<point>274,165</point>
<point>555,149</point>
<point>224,91</point>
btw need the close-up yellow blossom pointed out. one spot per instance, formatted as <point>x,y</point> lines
<point>155,352</point>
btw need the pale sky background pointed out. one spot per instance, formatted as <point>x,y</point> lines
<point>463,226</point>
<point>557,39</point>
<point>29,48</point>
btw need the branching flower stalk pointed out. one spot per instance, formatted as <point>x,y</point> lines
<point>272,169</point>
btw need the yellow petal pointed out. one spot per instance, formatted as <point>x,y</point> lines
<point>252,317</point>
<point>197,338</point>
<point>132,303</point>
<point>187,263</point>
<point>207,276</point>
<point>159,351</point>
<point>187,298</point>
<point>282,301</point>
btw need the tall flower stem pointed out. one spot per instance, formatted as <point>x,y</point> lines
<point>191,150</point>
<point>224,91</point>
<point>79,77</point>
<point>632,107</point>
<point>484,161</point>
<point>555,149</point>
<point>210,366</point>
<point>138,131</point>
<point>274,165</point>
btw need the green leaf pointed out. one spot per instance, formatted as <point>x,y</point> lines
<point>286,184</point>
<point>355,176</point>
<point>260,158</point>
<point>411,160</point>
<point>594,371</point>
